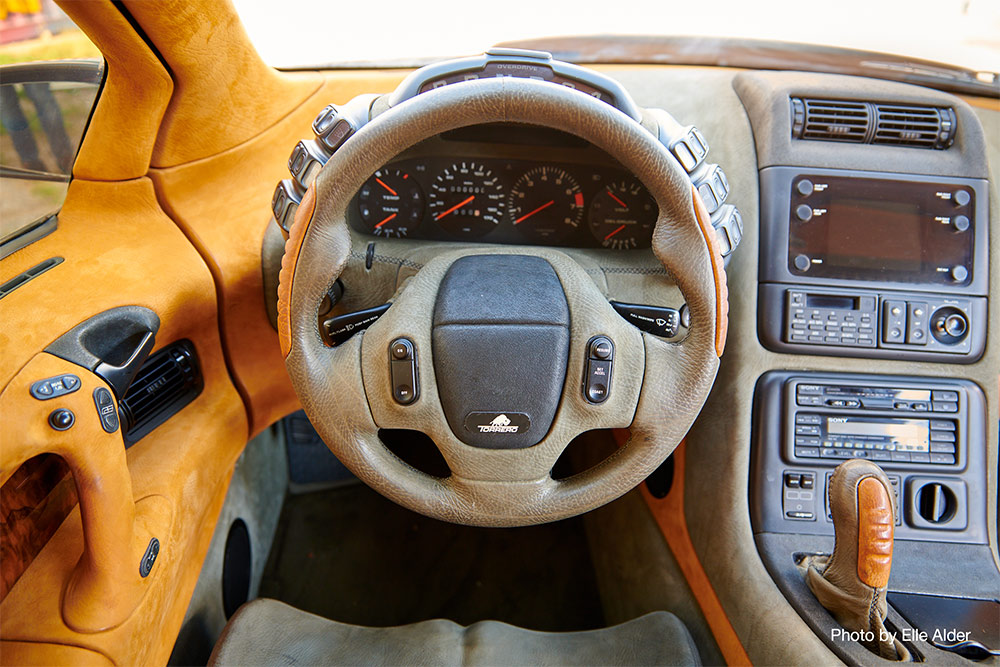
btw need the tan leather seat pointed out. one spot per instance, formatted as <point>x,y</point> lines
<point>267,632</point>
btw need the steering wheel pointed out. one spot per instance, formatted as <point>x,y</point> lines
<point>504,341</point>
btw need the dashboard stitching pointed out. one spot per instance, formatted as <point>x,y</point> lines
<point>634,271</point>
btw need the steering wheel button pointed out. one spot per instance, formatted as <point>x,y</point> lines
<point>403,371</point>
<point>685,156</point>
<point>601,348</point>
<point>597,393</point>
<point>598,380</point>
<point>325,119</point>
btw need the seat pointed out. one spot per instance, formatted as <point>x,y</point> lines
<point>268,632</point>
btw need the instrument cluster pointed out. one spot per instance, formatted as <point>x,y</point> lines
<point>509,201</point>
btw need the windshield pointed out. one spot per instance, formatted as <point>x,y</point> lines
<point>319,33</point>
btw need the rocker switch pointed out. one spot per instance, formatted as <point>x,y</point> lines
<point>597,375</point>
<point>403,371</point>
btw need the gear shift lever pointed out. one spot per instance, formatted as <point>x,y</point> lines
<point>851,583</point>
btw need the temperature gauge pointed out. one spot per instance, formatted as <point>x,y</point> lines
<point>391,203</point>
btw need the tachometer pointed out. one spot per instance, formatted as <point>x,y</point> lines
<point>546,204</point>
<point>391,203</point>
<point>622,215</point>
<point>467,200</point>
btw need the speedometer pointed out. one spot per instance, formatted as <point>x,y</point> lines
<point>467,200</point>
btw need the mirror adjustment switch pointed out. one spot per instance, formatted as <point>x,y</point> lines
<point>61,419</point>
<point>106,409</point>
<point>597,375</point>
<point>403,371</point>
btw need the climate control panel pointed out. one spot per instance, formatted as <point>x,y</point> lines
<point>893,325</point>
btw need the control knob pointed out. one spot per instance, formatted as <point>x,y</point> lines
<point>949,325</point>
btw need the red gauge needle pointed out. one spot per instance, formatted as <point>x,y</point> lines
<point>540,208</point>
<point>612,195</point>
<point>391,191</point>
<point>386,220</point>
<point>614,232</point>
<point>455,207</point>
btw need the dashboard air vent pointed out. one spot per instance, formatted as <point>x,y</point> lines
<point>167,381</point>
<point>921,127</point>
<point>873,123</point>
<point>831,120</point>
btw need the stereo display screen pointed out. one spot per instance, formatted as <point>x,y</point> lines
<point>881,230</point>
<point>913,435</point>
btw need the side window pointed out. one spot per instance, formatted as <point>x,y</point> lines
<point>50,75</point>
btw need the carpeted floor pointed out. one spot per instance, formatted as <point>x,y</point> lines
<point>350,555</point>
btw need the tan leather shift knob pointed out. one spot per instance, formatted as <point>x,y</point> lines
<point>851,583</point>
<point>876,521</point>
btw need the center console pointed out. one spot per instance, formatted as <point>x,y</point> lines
<point>936,460</point>
<point>874,247</point>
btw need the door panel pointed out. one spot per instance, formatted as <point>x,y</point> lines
<point>119,249</point>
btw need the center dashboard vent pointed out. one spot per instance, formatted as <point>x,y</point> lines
<point>167,381</point>
<point>873,123</point>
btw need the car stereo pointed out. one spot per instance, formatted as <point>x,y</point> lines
<point>873,264</point>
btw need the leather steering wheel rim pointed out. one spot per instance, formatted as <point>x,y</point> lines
<point>344,390</point>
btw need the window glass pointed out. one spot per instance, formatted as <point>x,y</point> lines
<point>309,33</point>
<point>50,74</point>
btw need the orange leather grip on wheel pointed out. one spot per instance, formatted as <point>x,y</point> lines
<point>300,225</point>
<point>875,530</point>
<point>718,269</point>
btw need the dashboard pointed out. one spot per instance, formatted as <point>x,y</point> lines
<point>493,184</point>
<point>858,299</point>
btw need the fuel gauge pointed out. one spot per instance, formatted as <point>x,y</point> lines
<point>622,215</point>
<point>391,203</point>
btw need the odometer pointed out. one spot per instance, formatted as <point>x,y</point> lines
<point>391,203</point>
<point>467,200</point>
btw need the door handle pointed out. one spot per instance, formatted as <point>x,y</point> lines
<point>113,344</point>
<point>120,376</point>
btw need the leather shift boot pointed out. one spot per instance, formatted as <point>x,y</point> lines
<point>851,583</point>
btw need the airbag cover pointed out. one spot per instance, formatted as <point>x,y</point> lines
<point>500,346</point>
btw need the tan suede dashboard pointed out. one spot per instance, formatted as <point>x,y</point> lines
<point>169,210</point>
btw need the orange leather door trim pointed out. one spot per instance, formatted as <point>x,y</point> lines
<point>119,249</point>
<point>122,131</point>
